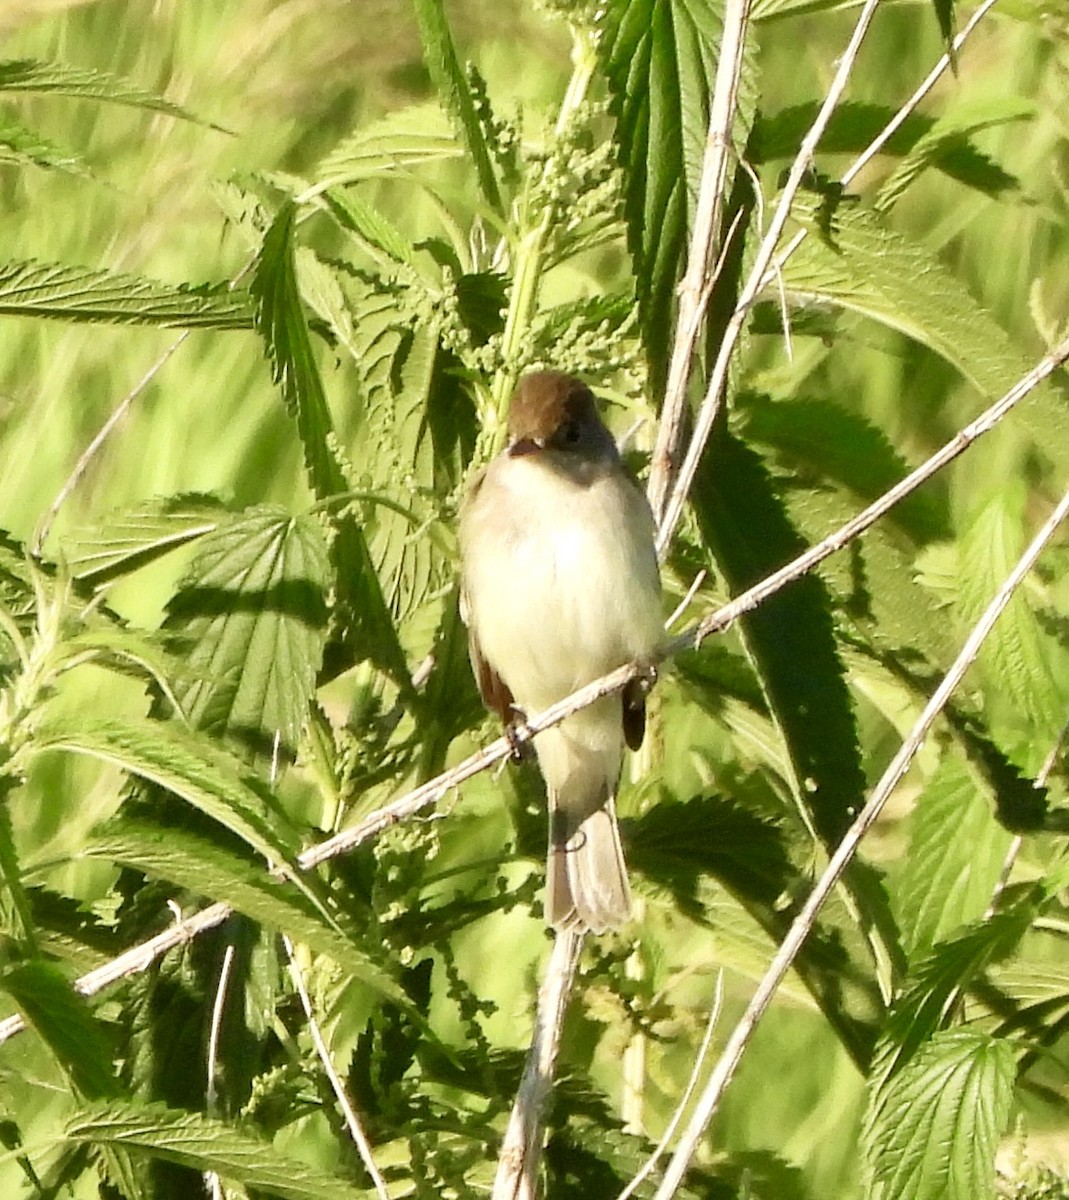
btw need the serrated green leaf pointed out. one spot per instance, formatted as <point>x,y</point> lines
<point>933,1132</point>
<point>369,631</point>
<point>956,852</point>
<point>61,79</point>
<point>823,439</point>
<point>133,538</point>
<point>195,1141</point>
<point>947,142</point>
<point>789,639</point>
<point>249,619</point>
<point>659,59</point>
<point>184,763</point>
<point>935,985</point>
<point>854,259</point>
<point>23,147</point>
<point>63,1020</point>
<point>456,94</point>
<point>399,141</point>
<point>1014,655</point>
<point>214,872</point>
<point>372,227</point>
<point>56,291</point>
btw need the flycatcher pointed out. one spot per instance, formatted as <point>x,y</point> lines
<point>560,586</point>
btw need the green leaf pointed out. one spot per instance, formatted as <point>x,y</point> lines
<point>203,1144</point>
<point>789,639</point>
<point>659,58</point>
<point>853,258</point>
<point>134,538</point>
<point>946,145</point>
<point>214,872</point>
<point>59,292</point>
<point>935,985</point>
<point>25,147</point>
<point>413,137</point>
<point>456,94</point>
<point>60,79</point>
<point>249,620</point>
<point>1015,655</point>
<point>184,763</point>
<point>62,1018</point>
<point>933,1132</point>
<point>279,316</point>
<point>956,852</point>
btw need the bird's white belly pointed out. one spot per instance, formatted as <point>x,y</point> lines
<point>568,590</point>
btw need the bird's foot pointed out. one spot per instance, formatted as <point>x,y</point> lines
<point>519,736</point>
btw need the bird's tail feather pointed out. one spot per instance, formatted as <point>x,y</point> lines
<point>586,877</point>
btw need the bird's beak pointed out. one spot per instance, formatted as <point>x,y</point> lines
<point>526,446</point>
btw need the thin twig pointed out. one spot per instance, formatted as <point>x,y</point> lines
<point>650,1164</point>
<point>352,1121</point>
<point>803,923</point>
<point>88,454</point>
<point>521,1150</point>
<point>212,1177</point>
<point>704,247</point>
<point>802,163</point>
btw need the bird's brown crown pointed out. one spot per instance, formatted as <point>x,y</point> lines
<point>545,401</point>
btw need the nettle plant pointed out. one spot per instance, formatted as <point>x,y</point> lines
<point>311,964</point>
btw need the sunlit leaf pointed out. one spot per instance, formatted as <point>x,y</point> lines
<point>249,620</point>
<point>186,764</point>
<point>62,79</point>
<point>281,321</point>
<point>955,857</point>
<point>212,871</point>
<point>933,1132</point>
<point>203,1144</point>
<point>67,1027</point>
<point>133,538</point>
<point>456,93</point>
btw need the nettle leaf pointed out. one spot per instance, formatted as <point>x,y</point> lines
<point>250,620</point>
<point>210,870</point>
<point>933,1132</point>
<point>1014,654</point>
<point>368,631</point>
<point>456,94</point>
<point>824,441</point>
<point>60,79</point>
<point>853,259</point>
<point>659,58</point>
<point>413,137</point>
<point>185,764</point>
<point>38,289</point>
<point>133,538</point>
<point>203,1144</point>
<point>790,638</point>
<point>956,852</point>
<point>24,147</point>
<point>935,985</point>
<point>946,145</point>
<point>370,226</point>
<point>62,1019</point>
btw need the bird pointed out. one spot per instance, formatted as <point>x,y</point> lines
<point>560,585</point>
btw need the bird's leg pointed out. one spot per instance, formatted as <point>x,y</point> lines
<point>519,735</point>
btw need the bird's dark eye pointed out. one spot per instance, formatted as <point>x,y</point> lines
<point>571,434</point>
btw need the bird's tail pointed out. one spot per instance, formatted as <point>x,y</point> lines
<point>586,877</point>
